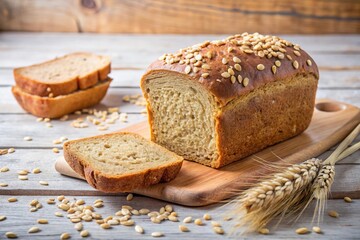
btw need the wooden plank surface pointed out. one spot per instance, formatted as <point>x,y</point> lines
<point>182,16</point>
<point>20,219</point>
<point>338,81</point>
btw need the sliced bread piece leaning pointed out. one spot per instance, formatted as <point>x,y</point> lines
<point>61,105</point>
<point>121,162</point>
<point>63,75</point>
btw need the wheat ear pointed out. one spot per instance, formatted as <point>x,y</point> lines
<point>288,191</point>
<point>323,182</point>
<point>274,196</point>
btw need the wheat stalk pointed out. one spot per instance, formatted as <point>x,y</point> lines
<point>289,191</point>
<point>322,184</point>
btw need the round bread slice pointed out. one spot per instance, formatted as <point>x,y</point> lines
<point>121,162</point>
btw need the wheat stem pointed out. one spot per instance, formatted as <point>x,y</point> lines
<point>323,182</point>
<point>333,158</point>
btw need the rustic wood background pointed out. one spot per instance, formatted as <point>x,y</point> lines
<point>182,16</point>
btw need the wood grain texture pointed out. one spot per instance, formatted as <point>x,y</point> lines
<point>181,16</point>
<point>20,219</point>
<point>137,52</point>
<point>198,185</point>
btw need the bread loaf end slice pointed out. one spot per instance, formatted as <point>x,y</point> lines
<point>121,162</point>
<point>59,106</point>
<point>63,75</point>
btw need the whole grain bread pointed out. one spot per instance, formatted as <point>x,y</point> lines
<point>59,106</point>
<point>217,102</point>
<point>63,75</point>
<point>121,162</point>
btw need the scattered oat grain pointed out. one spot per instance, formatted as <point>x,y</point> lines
<point>105,226</point>
<point>157,234</point>
<point>59,214</point>
<point>198,222</point>
<point>316,229</point>
<point>12,199</point>
<point>23,177</point>
<point>27,138</point>
<point>129,197</point>
<point>4,169</point>
<point>34,230</point>
<point>36,171</point>
<point>347,199</point>
<point>55,150</point>
<point>303,230</point>
<point>2,218</point>
<point>333,214</point>
<point>10,235</point>
<point>187,220</point>
<point>84,233</point>
<point>42,221</point>
<point>44,183</point>
<point>64,236</point>
<point>183,228</point>
<point>207,217</point>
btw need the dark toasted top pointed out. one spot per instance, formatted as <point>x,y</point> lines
<point>239,64</point>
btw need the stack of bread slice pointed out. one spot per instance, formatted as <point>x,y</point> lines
<point>55,88</point>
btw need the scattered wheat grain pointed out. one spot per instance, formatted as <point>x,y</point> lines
<point>333,214</point>
<point>302,230</point>
<point>34,230</point>
<point>12,199</point>
<point>316,229</point>
<point>157,234</point>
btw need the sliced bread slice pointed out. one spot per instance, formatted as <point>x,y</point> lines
<point>121,162</point>
<point>61,105</point>
<point>63,75</point>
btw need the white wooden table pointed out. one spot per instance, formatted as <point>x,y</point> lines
<point>338,58</point>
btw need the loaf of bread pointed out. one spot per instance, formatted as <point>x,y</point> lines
<point>63,75</point>
<point>121,162</point>
<point>217,102</point>
<point>59,106</point>
<point>64,85</point>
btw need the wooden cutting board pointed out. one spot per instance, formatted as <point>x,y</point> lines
<point>198,185</point>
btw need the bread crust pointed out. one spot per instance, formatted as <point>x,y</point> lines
<point>40,88</point>
<point>61,105</point>
<point>262,120</point>
<point>224,91</point>
<point>125,182</point>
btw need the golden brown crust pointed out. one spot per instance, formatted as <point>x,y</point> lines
<point>61,105</point>
<point>41,88</point>
<point>265,118</point>
<point>125,182</point>
<point>222,88</point>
